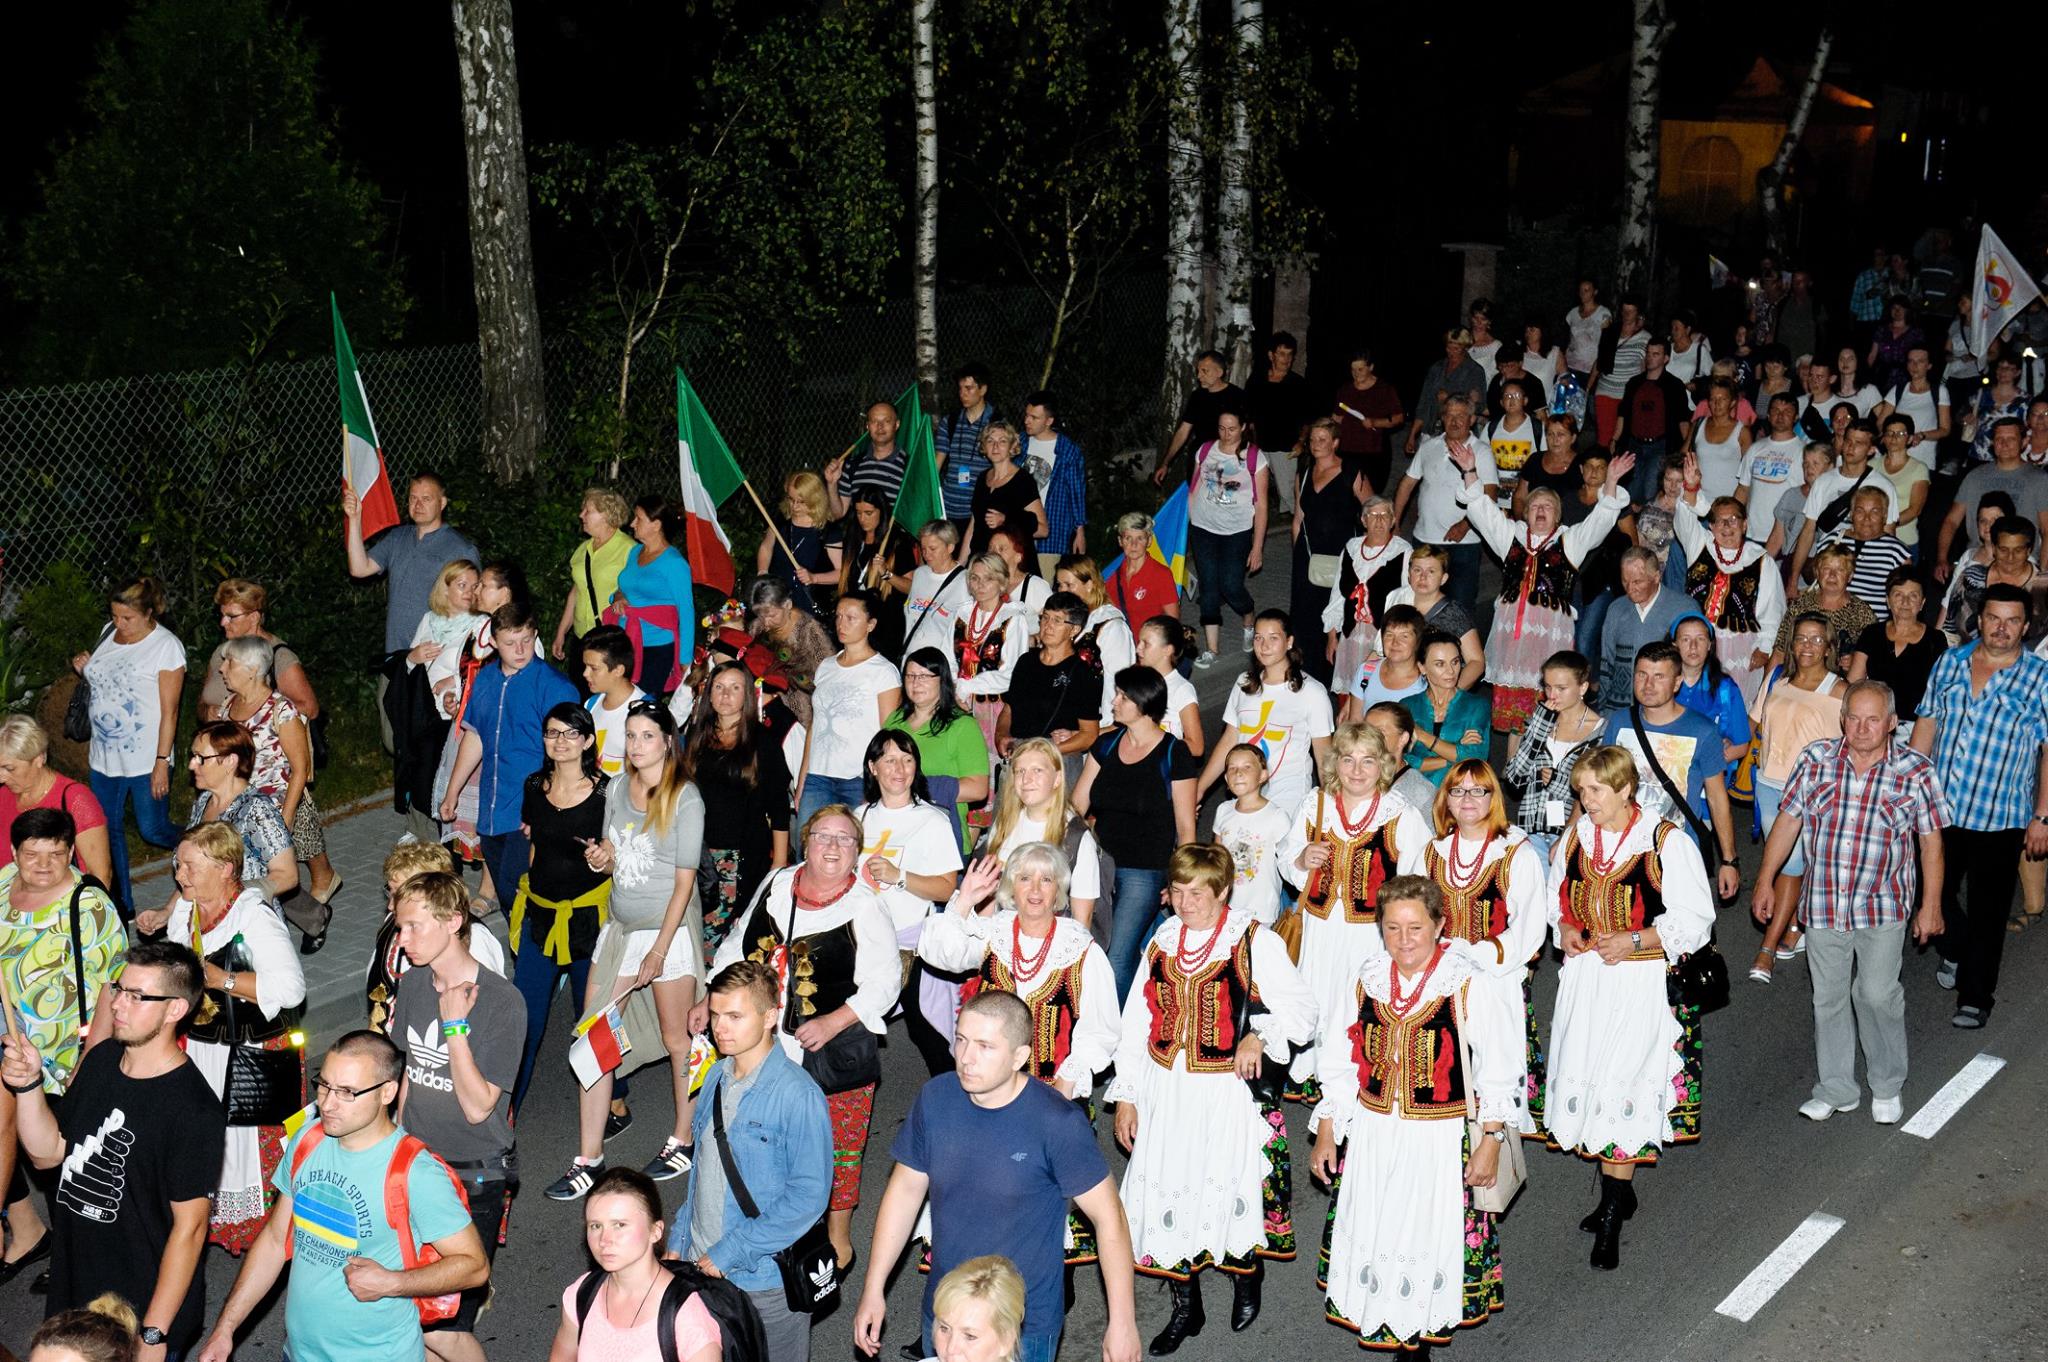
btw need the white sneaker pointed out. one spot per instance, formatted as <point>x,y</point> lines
<point>1886,1111</point>
<point>1814,1109</point>
<point>1208,660</point>
<point>1247,640</point>
<point>1945,975</point>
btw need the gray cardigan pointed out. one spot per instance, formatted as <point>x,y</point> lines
<point>1624,632</point>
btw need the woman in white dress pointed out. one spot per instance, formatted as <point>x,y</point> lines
<point>1410,1257</point>
<point>1375,563</point>
<point>1629,899</point>
<point>1348,837</point>
<point>1731,578</point>
<point>253,981</point>
<point>1208,1183</point>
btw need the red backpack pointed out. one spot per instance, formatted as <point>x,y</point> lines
<point>398,1212</point>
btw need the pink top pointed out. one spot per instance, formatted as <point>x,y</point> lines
<point>66,794</point>
<point>1794,717</point>
<point>604,1341</point>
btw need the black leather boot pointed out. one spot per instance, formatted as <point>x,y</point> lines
<point>1622,1192</point>
<point>1244,1297</point>
<point>1607,1228</point>
<point>1186,1320</point>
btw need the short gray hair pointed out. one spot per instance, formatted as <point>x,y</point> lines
<point>1043,857</point>
<point>255,652</point>
<point>1871,686</point>
<point>1133,520</point>
<point>1636,553</point>
<point>1458,400</point>
<point>1550,495</point>
<point>1373,503</point>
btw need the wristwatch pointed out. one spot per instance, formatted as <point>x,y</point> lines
<point>1498,1134</point>
<point>1635,939</point>
<point>151,1336</point>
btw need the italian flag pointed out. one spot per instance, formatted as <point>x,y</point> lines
<point>362,457</point>
<point>710,475</point>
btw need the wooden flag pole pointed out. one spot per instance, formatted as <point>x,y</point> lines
<point>762,506</point>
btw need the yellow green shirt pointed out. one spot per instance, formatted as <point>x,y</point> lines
<point>42,984</point>
<point>595,571</point>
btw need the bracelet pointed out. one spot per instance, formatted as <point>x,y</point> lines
<point>458,1027</point>
<point>29,1086</point>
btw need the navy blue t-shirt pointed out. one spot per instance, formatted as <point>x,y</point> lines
<point>1000,1183</point>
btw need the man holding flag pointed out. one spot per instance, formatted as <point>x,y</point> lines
<point>880,465</point>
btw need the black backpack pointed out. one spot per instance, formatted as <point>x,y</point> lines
<point>739,1325</point>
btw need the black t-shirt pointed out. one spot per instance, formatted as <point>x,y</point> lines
<point>1142,835</point>
<point>1043,698</point>
<point>1279,410</point>
<point>1011,499</point>
<point>132,1147</point>
<point>559,870</point>
<point>1200,411</point>
<point>738,816</point>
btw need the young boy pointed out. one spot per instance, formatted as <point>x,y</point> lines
<point>387,959</point>
<point>608,672</point>
<point>1251,830</point>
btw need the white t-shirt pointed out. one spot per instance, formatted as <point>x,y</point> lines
<point>1087,869</point>
<point>928,586</point>
<point>1543,368</point>
<point>1436,501</point>
<point>845,712</point>
<point>1864,399</point>
<point>1180,693</point>
<point>1487,357</point>
<point>1770,468</point>
<point>1827,405</point>
<point>1253,841</point>
<point>917,839</point>
<point>1225,491</point>
<point>611,730</point>
<point>1041,455</point>
<point>1584,346</point>
<point>1284,723</point>
<point>1687,365</point>
<point>1924,408</point>
<point>127,707</point>
<point>1835,482</point>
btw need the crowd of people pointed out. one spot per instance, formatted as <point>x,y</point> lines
<point>956,779</point>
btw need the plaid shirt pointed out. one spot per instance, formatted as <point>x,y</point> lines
<point>1860,833</point>
<point>1065,494</point>
<point>1530,758</point>
<point>1987,748</point>
<point>958,441</point>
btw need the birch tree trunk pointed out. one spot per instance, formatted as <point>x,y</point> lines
<point>1234,202</point>
<point>1184,236</point>
<point>500,238</point>
<point>925,269</point>
<point>1641,147</point>
<point>1770,181</point>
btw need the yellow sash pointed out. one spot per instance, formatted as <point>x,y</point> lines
<point>557,942</point>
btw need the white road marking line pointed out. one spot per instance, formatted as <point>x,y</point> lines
<point>1958,1090</point>
<point>1773,1272</point>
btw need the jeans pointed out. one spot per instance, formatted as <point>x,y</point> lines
<point>1879,1015</point>
<point>152,819</point>
<point>507,855</point>
<point>1648,479</point>
<point>1219,566</point>
<point>818,792</point>
<point>1586,633</point>
<point>785,1334</point>
<point>535,975</point>
<point>1988,863</point>
<point>1768,797</point>
<point>1136,917</point>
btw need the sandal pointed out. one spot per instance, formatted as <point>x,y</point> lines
<point>1797,947</point>
<point>2020,921</point>
<point>1760,972</point>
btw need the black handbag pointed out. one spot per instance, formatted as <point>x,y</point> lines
<point>810,1266</point>
<point>1701,978</point>
<point>78,713</point>
<point>853,1058</point>
<point>262,1086</point>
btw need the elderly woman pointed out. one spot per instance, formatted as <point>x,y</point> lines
<point>284,771</point>
<point>1830,598</point>
<point>255,987</point>
<point>223,760</point>
<point>978,1312</point>
<point>1327,500</point>
<point>137,674</point>
<point>27,782</point>
<point>1410,1258</point>
<point>594,567</point>
<point>793,634</point>
<point>1539,581</point>
<point>1106,639</point>
<point>829,938</point>
<point>1208,1183</point>
<point>1140,585</point>
<point>242,604</point>
<point>1346,839</point>
<point>1629,900</point>
<point>1004,494</point>
<point>1375,563</point>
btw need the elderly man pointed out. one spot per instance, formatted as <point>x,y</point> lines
<point>2008,472</point>
<point>1877,552</point>
<point>1439,519</point>
<point>1456,375</point>
<point>1984,720</point>
<point>1864,804</point>
<point>880,466</point>
<point>1645,615</point>
<point>1833,495</point>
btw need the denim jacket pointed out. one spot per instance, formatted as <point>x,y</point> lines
<point>782,1142</point>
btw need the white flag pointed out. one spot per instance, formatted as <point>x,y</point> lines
<point>2000,290</point>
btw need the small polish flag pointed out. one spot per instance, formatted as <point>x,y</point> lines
<point>600,1046</point>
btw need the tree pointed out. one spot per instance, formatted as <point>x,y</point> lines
<point>500,238</point>
<point>1184,176</point>
<point>206,198</point>
<point>1770,181</point>
<point>1641,146</point>
<point>925,262</point>
<point>1233,208</point>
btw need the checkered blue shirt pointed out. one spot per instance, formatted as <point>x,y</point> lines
<point>1987,748</point>
<point>1859,831</point>
<point>959,441</point>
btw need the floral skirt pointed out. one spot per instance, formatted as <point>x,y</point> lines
<point>1536,1060</point>
<point>851,1112</point>
<point>726,880</point>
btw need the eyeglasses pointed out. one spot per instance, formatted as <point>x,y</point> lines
<point>1469,792</point>
<point>835,839</point>
<point>136,995</point>
<point>560,734</point>
<point>211,756</point>
<point>228,618</point>
<point>322,1088</point>
<point>1726,520</point>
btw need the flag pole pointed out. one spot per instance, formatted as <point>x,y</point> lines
<point>762,506</point>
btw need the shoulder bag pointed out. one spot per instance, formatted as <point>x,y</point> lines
<point>1323,568</point>
<point>1513,1169</point>
<point>78,713</point>
<point>810,1266</point>
<point>262,1086</point>
<point>1701,979</point>
<point>853,1058</point>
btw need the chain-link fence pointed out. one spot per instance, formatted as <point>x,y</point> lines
<point>116,475</point>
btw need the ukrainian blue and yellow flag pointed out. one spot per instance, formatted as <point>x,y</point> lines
<point>1169,539</point>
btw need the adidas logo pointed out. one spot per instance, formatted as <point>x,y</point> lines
<point>824,1275</point>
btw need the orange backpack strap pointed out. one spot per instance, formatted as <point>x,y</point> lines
<point>315,1133</point>
<point>398,1198</point>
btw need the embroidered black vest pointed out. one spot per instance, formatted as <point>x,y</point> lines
<point>1554,578</point>
<point>820,965</point>
<point>1479,911</point>
<point>1416,1060</point>
<point>1355,871</point>
<point>1738,602</point>
<point>1628,898</point>
<point>1205,1013</point>
<point>1055,1009</point>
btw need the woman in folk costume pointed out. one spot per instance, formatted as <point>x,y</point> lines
<point>1629,898</point>
<point>1374,563</point>
<point>989,635</point>
<point>1424,1085</point>
<point>1348,837</point>
<point>1539,578</point>
<point>1208,1183</point>
<point>1731,578</point>
<point>1007,927</point>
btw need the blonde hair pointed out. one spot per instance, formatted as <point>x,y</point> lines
<point>1364,738</point>
<point>440,892</point>
<point>143,594</point>
<point>1010,809</point>
<point>992,1280</point>
<point>417,858</point>
<point>991,563</point>
<point>609,504</point>
<point>805,492</point>
<point>23,738</point>
<point>103,1331</point>
<point>1610,765</point>
<point>241,591</point>
<point>1088,575</point>
<point>217,841</point>
<point>1479,773</point>
<point>829,811</point>
<point>437,599</point>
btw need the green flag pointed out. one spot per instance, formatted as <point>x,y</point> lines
<point>918,502</point>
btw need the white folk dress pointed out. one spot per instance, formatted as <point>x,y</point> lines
<point>1743,597</point>
<point>1204,1162</point>
<point>1409,1259</point>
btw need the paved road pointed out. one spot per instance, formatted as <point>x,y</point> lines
<point>1941,1252</point>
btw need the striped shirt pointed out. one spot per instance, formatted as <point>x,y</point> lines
<point>1860,832</point>
<point>1987,747</point>
<point>1875,561</point>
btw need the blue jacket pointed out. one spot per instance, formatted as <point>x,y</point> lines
<point>1066,500</point>
<point>782,1142</point>
<point>506,712</point>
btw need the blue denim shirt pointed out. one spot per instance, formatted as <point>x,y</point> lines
<point>506,712</point>
<point>782,1142</point>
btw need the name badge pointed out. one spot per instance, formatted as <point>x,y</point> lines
<point>1553,813</point>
